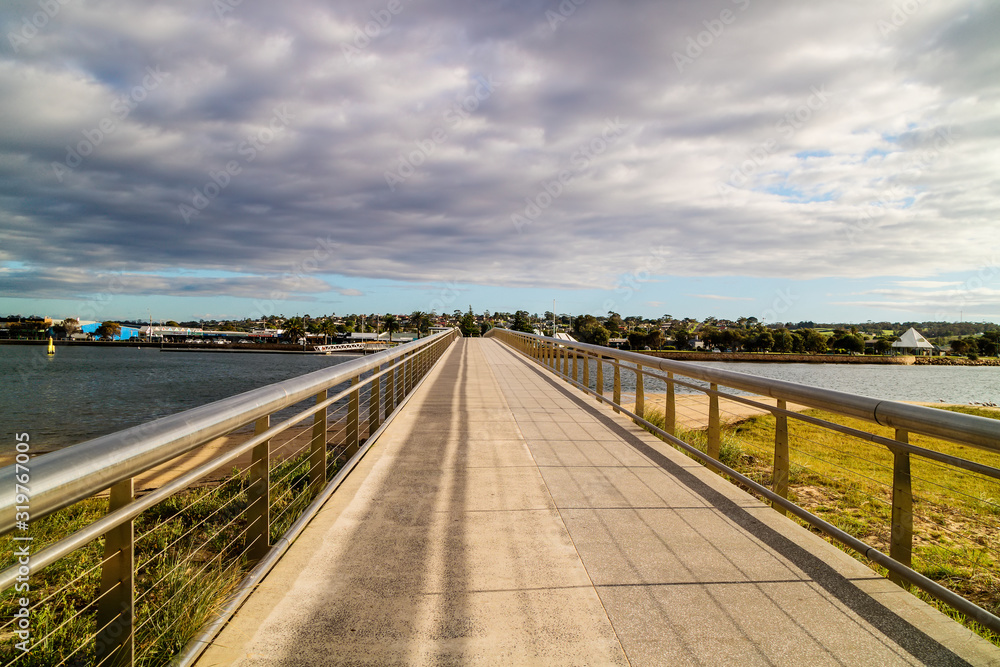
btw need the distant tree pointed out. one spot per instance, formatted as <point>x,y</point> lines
<point>614,323</point>
<point>294,330</point>
<point>782,341</point>
<point>522,322</point>
<point>391,324</point>
<point>595,334</point>
<point>171,323</point>
<point>64,329</point>
<point>959,346</point>
<point>761,341</point>
<point>484,327</point>
<point>733,339</point>
<point>641,340</point>
<point>420,321</point>
<point>989,344</point>
<point>681,335</point>
<point>467,324</point>
<point>108,330</point>
<point>847,341</point>
<point>883,345</point>
<point>328,328</point>
<point>812,340</point>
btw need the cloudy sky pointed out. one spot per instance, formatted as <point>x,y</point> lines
<point>788,160</point>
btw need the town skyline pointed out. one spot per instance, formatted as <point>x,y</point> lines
<point>215,161</point>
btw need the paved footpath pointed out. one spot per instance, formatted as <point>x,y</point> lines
<point>505,519</point>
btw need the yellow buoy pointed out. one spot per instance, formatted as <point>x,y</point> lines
<point>52,346</point>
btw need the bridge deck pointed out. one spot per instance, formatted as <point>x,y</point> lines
<point>504,518</point>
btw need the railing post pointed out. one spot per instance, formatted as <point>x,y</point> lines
<point>353,406</point>
<point>600,378</point>
<point>586,369</point>
<point>670,408</point>
<point>390,390</point>
<point>115,643</point>
<point>407,373</point>
<point>640,392</point>
<point>781,463</point>
<point>575,376</point>
<point>714,426</point>
<point>566,361</point>
<point>399,373</point>
<point>259,494</point>
<point>317,451</point>
<point>901,544</point>
<point>617,397</point>
<point>374,402</point>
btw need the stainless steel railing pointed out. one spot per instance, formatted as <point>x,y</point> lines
<point>572,361</point>
<point>374,389</point>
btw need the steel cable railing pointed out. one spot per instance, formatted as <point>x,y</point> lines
<point>173,556</point>
<point>886,479</point>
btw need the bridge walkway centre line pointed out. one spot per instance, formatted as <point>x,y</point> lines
<point>505,518</point>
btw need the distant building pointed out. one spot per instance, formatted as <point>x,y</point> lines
<point>127,333</point>
<point>913,342</point>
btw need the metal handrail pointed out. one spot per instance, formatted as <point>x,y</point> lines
<point>953,426</point>
<point>956,427</point>
<point>66,476</point>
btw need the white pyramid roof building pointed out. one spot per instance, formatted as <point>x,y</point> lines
<point>913,339</point>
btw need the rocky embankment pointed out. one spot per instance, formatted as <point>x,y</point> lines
<point>955,361</point>
<point>901,360</point>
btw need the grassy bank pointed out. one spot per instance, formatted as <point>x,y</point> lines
<point>848,482</point>
<point>190,555</point>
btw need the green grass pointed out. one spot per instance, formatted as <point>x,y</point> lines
<point>848,482</point>
<point>190,557</point>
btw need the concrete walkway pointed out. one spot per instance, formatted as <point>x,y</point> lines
<point>505,519</point>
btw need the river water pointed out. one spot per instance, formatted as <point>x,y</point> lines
<point>948,384</point>
<point>84,392</point>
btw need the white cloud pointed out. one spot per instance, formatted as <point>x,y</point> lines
<point>887,171</point>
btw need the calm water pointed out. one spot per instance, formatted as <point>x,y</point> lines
<point>951,384</point>
<point>84,392</point>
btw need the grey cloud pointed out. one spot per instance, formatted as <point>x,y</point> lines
<point>75,283</point>
<point>323,175</point>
